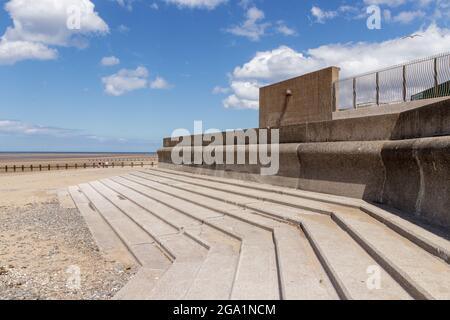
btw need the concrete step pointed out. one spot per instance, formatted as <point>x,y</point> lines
<point>185,250</point>
<point>139,287</point>
<point>278,198</point>
<point>200,237</point>
<point>223,250</point>
<point>110,245</point>
<point>243,201</point>
<point>400,260</point>
<point>139,243</point>
<point>349,265</point>
<point>156,227</point>
<point>424,275</point>
<point>254,239</point>
<point>435,285</point>
<point>435,241</point>
<point>301,274</point>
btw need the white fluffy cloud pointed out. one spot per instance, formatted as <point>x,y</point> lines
<point>18,127</point>
<point>12,52</point>
<point>390,3</point>
<point>38,25</point>
<point>321,15</point>
<point>159,83</point>
<point>284,29</point>
<point>220,90</point>
<point>109,61</point>
<point>29,134</point>
<point>127,80</point>
<point>128,4</point>
<point>406,17</point>
<point>394,11</point>
<point>246,95</point>
<point>197,4</point>
<point>254,27</point>
<point>353,58</point>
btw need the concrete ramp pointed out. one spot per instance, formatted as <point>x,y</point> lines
<point>201,237</point>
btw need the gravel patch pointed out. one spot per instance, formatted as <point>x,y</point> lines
<point>47,252</point>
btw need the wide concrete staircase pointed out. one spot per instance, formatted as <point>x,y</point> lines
<point>202,237</point>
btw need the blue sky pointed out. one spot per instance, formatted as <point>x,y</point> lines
<point>136,70</point>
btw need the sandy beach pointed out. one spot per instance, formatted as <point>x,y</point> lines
<point>44,240</point>
<point>19,189</point>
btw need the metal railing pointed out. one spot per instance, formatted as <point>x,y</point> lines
<point>421,79</point>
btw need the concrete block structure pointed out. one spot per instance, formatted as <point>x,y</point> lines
<point>307,98</point>
<point>398,158</point>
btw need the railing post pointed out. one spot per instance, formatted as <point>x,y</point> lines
<point>436,80</point>
<point>354,93</point>
<point>378,88</point>
<point>404,83</point>
<point>334,106</point>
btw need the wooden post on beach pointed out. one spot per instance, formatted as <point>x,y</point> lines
<point>67,166</point>
<point>23,168</point>
<point>132,165</point>
<point>49,167</point>
<point>14,168</point>
<point>76,166</point>
<point>6,168</point>
<point>40,167</point>
<point>84,165</point>
<point>142,164</point>
<point>31,167</point>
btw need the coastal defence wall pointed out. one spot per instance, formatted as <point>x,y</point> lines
<point>401,159</point>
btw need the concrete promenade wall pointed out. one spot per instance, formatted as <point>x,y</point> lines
<point>311,99</point>
<point>401,160</point>
<point>410,175</point>
<point>430,120</point>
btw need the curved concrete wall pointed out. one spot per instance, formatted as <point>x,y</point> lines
<point>410,175</point>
